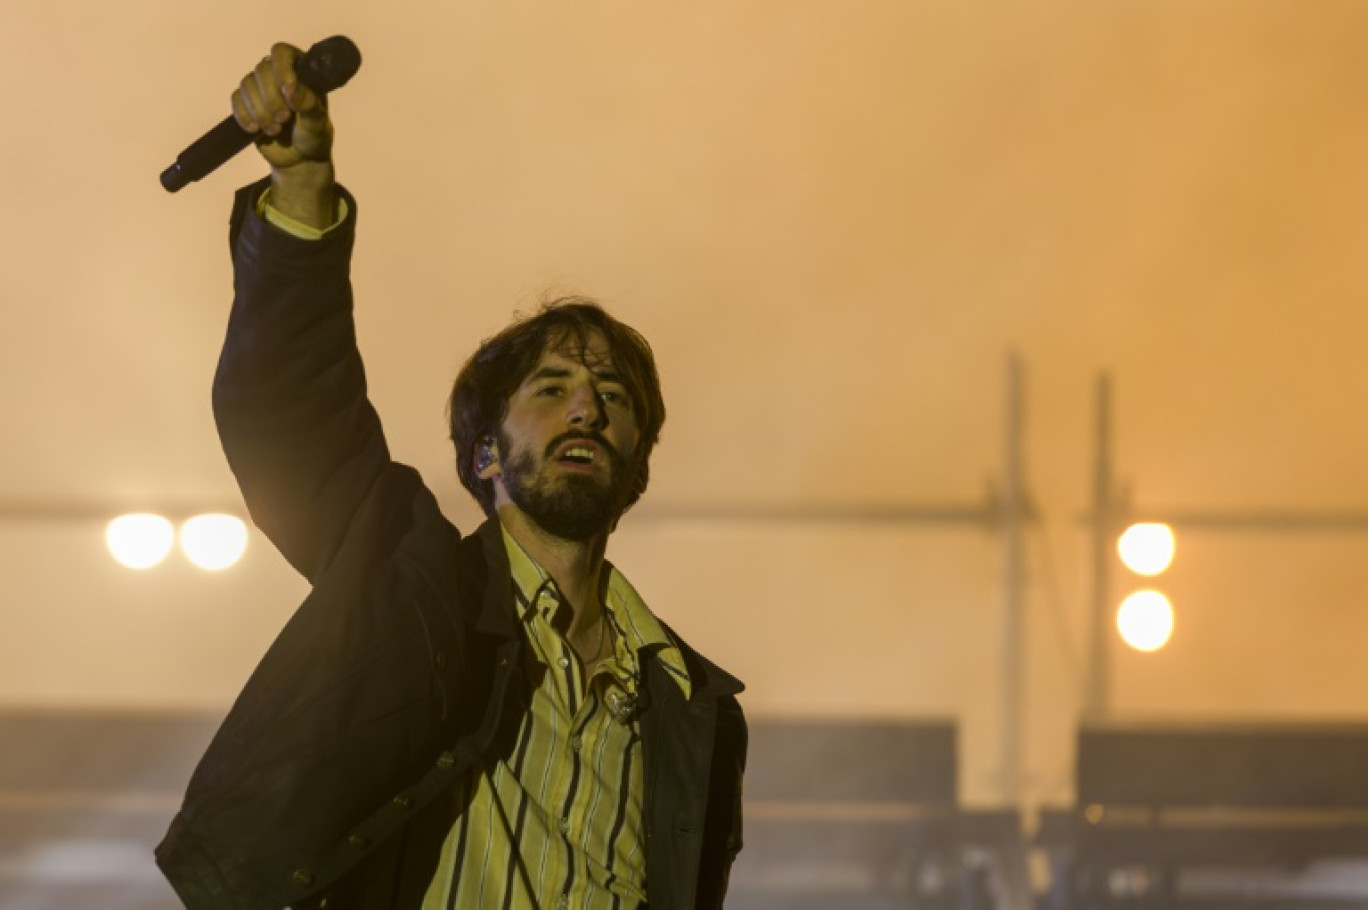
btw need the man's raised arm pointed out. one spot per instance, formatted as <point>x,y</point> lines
<point>290,392</point>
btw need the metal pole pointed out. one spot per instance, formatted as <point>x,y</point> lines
<point>1014,650</point>
<point>1097,694</point>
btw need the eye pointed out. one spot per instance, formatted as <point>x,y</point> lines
<point>614,396</point>
<point>550,391</point>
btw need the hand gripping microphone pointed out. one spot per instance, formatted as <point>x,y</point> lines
<point>324,67</point>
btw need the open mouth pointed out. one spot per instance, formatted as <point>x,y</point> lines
<point>581,455</point>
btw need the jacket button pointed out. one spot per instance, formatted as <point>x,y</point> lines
<point>302,877</point>
<point>446,760</point>
<point>358,841</point>
<point>403,801</point>
<point>440,660</point>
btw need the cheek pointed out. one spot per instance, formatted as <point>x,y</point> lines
<point>521,429</point>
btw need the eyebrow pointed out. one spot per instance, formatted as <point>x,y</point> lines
<point>549,373</point>
<point>554,372</point>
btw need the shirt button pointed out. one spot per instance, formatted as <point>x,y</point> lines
<point>564,901</point>
<point>562,661</point>
<point>576,743</point>
<point>565,827</point>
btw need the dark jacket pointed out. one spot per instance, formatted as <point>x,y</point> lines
<point>332,774</point>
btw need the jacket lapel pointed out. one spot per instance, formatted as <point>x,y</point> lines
<point>677,748</point>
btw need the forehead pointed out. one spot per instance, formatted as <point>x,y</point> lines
<point>567,349</point>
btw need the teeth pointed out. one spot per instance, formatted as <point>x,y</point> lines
<point>580,452</point>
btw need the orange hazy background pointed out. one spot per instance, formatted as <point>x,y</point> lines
<point>833,221</point>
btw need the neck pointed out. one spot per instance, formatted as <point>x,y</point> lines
<point>576,566</point>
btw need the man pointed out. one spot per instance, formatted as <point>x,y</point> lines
<point>489,721</point>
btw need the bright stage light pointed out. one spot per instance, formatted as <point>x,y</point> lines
<point>140,540</point>
<point>213,541</point>
<point>1146,548</point>
<point>1145,620</point>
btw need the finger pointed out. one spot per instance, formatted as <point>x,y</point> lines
<point>302,100</point>
<point>276,108</point>
<point>260,110</point>
<point>242,114</point>
<point>283,60</point>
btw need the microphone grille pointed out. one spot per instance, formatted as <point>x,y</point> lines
<point>329,64</point>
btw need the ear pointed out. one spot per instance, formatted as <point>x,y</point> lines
<point>486,458</point>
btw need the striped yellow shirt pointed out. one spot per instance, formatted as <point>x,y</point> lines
<point>556,822</point>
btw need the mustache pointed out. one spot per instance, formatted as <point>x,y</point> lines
<point>580,434</point>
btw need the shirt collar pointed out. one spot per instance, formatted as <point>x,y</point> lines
<point>529,579</point>
<point>638,632</point>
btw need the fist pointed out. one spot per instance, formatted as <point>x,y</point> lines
<point>290,121</point>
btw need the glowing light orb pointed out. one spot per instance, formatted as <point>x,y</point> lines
<point>140,540</point>
<point>1146,548</point>
<point>1145,620</point>
<point>213,541</point>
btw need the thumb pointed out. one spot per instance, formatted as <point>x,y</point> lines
<point>304,101</point>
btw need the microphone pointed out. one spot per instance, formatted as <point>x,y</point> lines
<point>625,707</point>
<point>327,65</point>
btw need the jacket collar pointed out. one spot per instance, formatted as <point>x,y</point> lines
<point>496,606</point>
<point>708,679</point>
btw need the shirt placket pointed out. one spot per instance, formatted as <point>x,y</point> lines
<point>572,791</point>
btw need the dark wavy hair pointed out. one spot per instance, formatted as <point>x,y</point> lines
<point>480,395</point>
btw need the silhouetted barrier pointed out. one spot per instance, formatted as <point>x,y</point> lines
<point>863,816</point>
<point>84,796</point>
<point>1174,816</point>
<point>839,815</point>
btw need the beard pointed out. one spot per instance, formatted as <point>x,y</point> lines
<point>569,506</point>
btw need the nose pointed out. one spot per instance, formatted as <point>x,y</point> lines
<point>585,409</point>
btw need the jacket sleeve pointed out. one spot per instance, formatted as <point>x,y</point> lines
<point>289,397</point>
<point>338,737</point>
